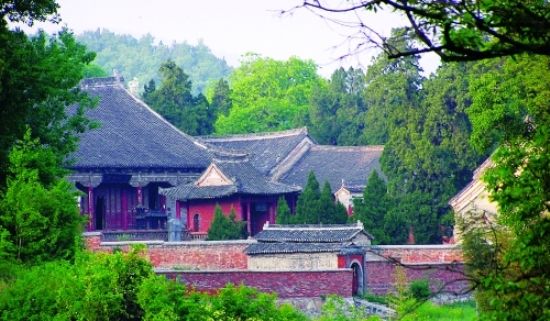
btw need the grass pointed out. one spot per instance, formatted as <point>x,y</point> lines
<point>449,312</point>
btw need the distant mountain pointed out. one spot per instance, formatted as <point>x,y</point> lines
<point>142,57</point>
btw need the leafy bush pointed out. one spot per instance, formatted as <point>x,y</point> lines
<point>96,287</point>
<point>420,289</point>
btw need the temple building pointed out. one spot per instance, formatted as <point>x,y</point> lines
<point>138,172</point>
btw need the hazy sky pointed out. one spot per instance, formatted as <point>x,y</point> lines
<point>229,28</point>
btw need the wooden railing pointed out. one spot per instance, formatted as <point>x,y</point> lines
<point>134,235</point>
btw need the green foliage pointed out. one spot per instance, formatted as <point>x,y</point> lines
<point>331,212</point>
<point>392,88</point>
<point>225,228</point>
<point>381,299</point>
<point>268,95</point>
<point>510,107</point>
<point>450,312</point>
<point>174,100</point>
<point>283,212</point>
<point>142,58</point>
<point>318,207</point>
<point>38,77</point>
<point>96,287</point>
<point>307,206</point>
<point>431,146</point>
<point>372,208</point>
<point>39,218</point>
<point>219,97</point>
<point>336,309</point>
<point>167,300</point>
<point>336,109</point>
<point>420,289</point>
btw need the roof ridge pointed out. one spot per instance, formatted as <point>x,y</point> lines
<point>373,148</point>
<point>101,82</point>
<point>156,114</point>
<point>313,227</point>
<point>257,136</point>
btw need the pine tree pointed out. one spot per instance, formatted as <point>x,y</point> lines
<point>225,228</point>
<point>372,209</point>
<point>283,212</point>
<point>307,207</point>
<point>330,212</point>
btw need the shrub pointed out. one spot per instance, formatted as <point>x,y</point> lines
<point>420,289</point>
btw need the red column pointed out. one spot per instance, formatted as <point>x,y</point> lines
<point>91,225</point>
<point>248,219</point>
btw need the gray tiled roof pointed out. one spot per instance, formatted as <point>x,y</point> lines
<point>353,165</point>
<point>266,150</point>
<point>131,135</point>
<point>276,248</point>
<point>276,239</point>
<point>246,179</point>
<point>308,233</point>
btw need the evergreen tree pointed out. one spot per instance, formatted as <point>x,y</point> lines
<point>283,212</point>
<point>329,211</point>
<point>220,97</point>
<point>336,109</point>
<point>39,218</point>
<point>372,208</point>
<point>174,100</point>
<point>225,228</point>
<point>307,207</point>
<point>392,87</point>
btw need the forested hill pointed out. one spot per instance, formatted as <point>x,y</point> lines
<point>142,57</point>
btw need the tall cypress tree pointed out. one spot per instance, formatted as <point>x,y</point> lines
<point>371,210</point>
<point>329,211</point>
<point>307,207</point>
<point>283,212</point>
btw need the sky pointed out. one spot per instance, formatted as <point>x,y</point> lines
<point>230,28</point>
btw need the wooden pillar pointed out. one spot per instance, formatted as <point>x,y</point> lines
<point>124,208</point>
<point>91,222</point>
<point>272,210</point>
<point>139,193</point>
<point>248,218</point>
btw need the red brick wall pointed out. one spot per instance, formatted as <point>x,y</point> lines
<point>441,265</point>
<point>200,255</point>
<point>446,278</point>
<point>419,254</point>
<point>287,284</point>
<point>92,240</point>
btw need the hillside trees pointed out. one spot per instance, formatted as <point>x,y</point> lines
<point>142,58</point>
<point>174,100</point>
<point>268,95</point>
